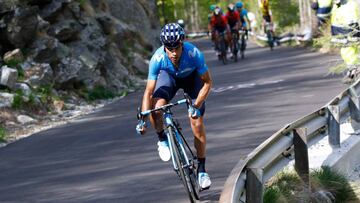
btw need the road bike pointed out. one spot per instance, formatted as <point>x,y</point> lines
<point>235,43</point>
<point>269,34</point>
<point>183,158</point>
<point>222,47</point>
<point>242,32</point>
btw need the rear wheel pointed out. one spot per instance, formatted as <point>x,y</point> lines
<point>223,50</point>
<point>185,171</point>
<point>235,46</point>
<point>270,40</point>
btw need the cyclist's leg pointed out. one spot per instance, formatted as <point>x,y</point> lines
<point>164,91</point>
<point>192,86</point>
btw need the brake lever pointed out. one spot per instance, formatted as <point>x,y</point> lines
<point>138,115</point>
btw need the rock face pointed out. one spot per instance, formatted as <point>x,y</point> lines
<point>73,43</point>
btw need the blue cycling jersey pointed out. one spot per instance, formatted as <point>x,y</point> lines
<point>242,15</point>
<point>191,60</point>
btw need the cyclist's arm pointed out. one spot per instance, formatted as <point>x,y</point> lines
<point>149,90</point>
<point>205,90</point>
<point>248,22</point>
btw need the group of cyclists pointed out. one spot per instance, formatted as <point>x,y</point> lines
<point>235,19</point>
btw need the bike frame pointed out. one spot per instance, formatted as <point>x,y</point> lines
<point>169,122</point>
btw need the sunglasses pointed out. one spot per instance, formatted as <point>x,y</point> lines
<point>173,48</point>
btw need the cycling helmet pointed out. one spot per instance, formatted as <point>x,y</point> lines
<point>239,4</point>
<point>172,35</point>
<point>217,11</point>
<point>231,7</point>
<point>212,7</point>
<point>181,23</point>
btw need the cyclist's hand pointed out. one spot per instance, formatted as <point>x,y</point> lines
<point>141,127</point>
<point>194,112</point>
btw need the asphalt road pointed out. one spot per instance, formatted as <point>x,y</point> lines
<point>99,158</point>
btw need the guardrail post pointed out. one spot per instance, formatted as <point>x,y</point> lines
<point>254,185</point>
<point>354,106</point>
<point>334,125</point>
<point>301,154</point>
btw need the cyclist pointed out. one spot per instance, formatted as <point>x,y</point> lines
<point>245,22</point>
<point>218,25</point>
<point>266,12</point>
<point>178,64</point>
<point>233,19</point>
<point>345,23</point>
<point>181,23</point>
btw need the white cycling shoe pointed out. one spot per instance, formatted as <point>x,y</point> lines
<point>164,151</point>
<point>204,180</point>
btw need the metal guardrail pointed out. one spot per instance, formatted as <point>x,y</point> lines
<point>246,181</point>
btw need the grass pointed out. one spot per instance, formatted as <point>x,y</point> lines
<point>2,134</point>
<point>333,182</point>
<point>99,92</point>
<point>18,102</point>
<point>287,187</point>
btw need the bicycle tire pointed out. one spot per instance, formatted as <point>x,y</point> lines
<point>270,40</point>
<point>235,46</point>
<point>223,50</point>
<point>243,46</point>
<point>183,172</point>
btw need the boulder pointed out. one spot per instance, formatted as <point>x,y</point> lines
<point>140,65</point>
<point>24,119</point>
<point>6,99</point>
<point>8,77</point>
<point>14,56</point>
<point>67,70</point>
<point>22,26</point>
<point>65,30</point>
<point>25,88</point>
<point>37,74</point>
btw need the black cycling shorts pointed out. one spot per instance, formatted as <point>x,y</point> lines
<point>167,86</point>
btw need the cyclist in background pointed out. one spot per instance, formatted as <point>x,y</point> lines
<point>178,64</point>
<point>345,23</point>
<point>218,25</point>
<point>211,13</point>
<point>245,22</point>
<point>233,19</point>
<point>266,12</point>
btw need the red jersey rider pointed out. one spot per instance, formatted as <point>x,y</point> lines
<point>219,24</point>
<point>233,18</point>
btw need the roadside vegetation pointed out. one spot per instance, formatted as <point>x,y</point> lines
<point>2,133</point>
<point>326,184</point>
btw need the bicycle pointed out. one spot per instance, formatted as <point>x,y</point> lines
<point>221,44</point>
<point>269,35</point>
<point>242,32</point>
<point>183,158</point>
<point>235,43</point>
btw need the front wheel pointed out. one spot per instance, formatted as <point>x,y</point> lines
<point>184,170</point>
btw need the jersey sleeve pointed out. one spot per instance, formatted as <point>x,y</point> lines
<point>201,66</point>
<point>154,66</point>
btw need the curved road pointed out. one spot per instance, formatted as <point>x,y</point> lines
<point>99,158</point>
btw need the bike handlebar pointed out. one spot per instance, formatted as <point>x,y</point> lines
<point>187,101</point>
